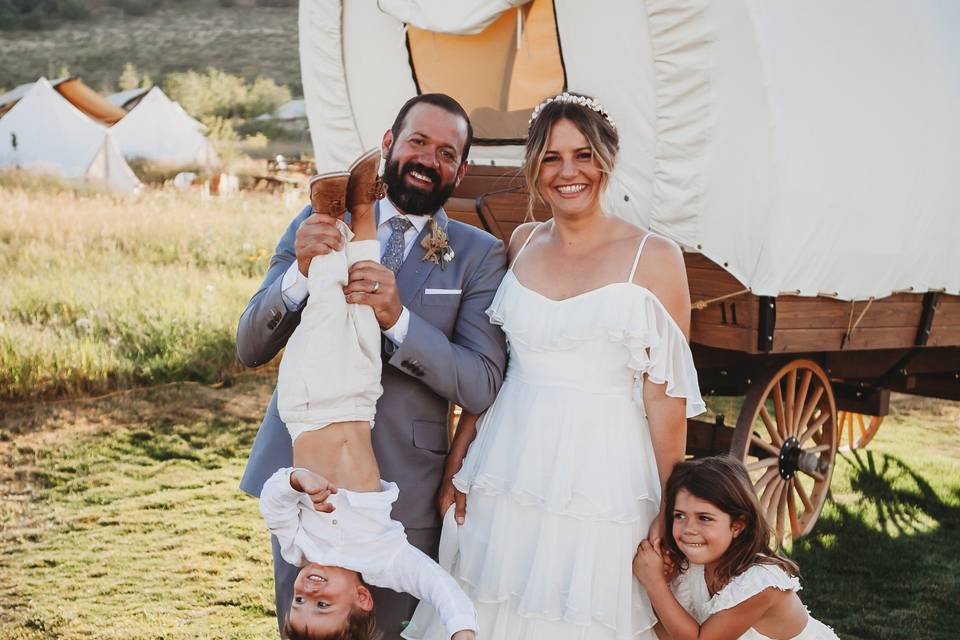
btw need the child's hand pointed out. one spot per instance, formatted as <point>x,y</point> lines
<point>464,635</point>
<point>315,486</point>
<point>648,564</point>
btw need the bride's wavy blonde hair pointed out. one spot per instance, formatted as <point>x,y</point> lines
<point>596,127</point>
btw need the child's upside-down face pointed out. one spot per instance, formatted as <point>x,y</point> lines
<point>324,596</point>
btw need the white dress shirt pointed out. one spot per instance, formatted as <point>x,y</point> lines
<point>359,535</point>
<point>293,286</point>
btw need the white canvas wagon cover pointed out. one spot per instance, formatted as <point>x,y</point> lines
<point>808,147</point>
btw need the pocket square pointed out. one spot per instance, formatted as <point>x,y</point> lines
<point>442,292</point>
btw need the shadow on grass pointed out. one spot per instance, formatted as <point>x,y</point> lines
<point>885,564</point>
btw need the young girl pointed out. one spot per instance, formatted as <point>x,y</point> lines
<point>730,583</point>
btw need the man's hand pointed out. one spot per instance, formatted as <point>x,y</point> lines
<point>448,495</point>
<point>464,635</point>
<point>315,486</point>
<point>317,235</point>
<point>373,284</point>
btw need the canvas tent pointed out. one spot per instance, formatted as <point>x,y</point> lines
<point>158,129</point>
<point>128,99</point>
<point>802,163</point>
<point>77,93</point>
<point>45,132</point>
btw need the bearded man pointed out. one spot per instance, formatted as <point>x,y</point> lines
<point>430,301</point>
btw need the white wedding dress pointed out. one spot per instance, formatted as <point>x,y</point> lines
<point>562,481</point>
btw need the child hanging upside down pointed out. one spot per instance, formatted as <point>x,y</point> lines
<point>331,511</point>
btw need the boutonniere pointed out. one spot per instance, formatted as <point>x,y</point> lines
<point>438,246</point>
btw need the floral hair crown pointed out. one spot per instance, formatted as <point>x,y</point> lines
<point>569,98</point>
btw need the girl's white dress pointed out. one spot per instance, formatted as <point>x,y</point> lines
<point>562,479</point>
<point>691,591</point>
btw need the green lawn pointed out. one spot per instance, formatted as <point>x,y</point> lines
<point>121,519</point>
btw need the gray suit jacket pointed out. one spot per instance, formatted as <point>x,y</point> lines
<point>451,353</point>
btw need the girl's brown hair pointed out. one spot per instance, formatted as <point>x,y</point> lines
<point>723,481</point>
<point>600,133</point>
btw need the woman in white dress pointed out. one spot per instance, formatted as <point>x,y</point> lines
<point>566,474</point>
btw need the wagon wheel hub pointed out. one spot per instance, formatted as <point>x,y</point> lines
<point>793,458</point>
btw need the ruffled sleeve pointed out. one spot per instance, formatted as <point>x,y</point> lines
<point>663,355</point>
<point>757,578</point>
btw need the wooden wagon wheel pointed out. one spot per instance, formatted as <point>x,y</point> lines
<point>856,430</point>
<point>786,435</point>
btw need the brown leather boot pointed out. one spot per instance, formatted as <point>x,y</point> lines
<point>328,193</point>
<point>365,188</point>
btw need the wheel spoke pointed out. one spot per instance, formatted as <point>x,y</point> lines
<point>801,402</point>
<point>766,446</point>
<point>810,407</point>
<point>848,418</point>
<point>863,431</point>
<point>762,464</point>
<point>771,429</point>
<point>789,412</point>
<point>765,480</point>
<point>778,409</point>
<point>816,475</point>
<point>818,448</point>
<point>792,507</point>
<point>770,509</point>
<point>804,498</point>
<point>782,510</point>
<point>816,424</point>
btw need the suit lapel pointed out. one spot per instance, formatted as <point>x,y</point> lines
<point>414,271</point>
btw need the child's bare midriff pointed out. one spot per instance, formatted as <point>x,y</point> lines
<point>341,452</point>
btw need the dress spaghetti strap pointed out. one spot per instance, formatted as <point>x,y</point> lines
<point>524,245</point>
<point>636,260</point>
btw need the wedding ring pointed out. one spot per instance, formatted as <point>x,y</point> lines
<point>376,286</point>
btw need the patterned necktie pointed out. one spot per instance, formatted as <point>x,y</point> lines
<point>393,256</point>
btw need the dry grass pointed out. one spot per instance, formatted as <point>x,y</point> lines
<point>103,292</point>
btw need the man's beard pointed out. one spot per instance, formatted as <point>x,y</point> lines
<point>411,199</point>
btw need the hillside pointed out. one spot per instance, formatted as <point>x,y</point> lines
<point>244,39</point>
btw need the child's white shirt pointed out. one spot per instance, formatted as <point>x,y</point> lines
<point>360,535</point>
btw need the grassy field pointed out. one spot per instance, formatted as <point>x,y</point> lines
<point>121,519</point>
<point>246,40</point>
<point>103,292</point>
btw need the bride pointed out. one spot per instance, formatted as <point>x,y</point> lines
<point>567,471</point>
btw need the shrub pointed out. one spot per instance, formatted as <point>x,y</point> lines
<point>220,94</point>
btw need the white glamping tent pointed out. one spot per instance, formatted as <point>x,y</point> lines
<point>808,147</point>
<point>158,129</point>
<point>43,131</point>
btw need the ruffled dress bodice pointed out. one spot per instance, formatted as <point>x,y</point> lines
<point>562,481</point>
<point>691,591</point>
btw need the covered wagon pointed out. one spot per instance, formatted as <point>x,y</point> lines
<point>804,156</point>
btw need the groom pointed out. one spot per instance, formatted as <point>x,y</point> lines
<point>437,347</point>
